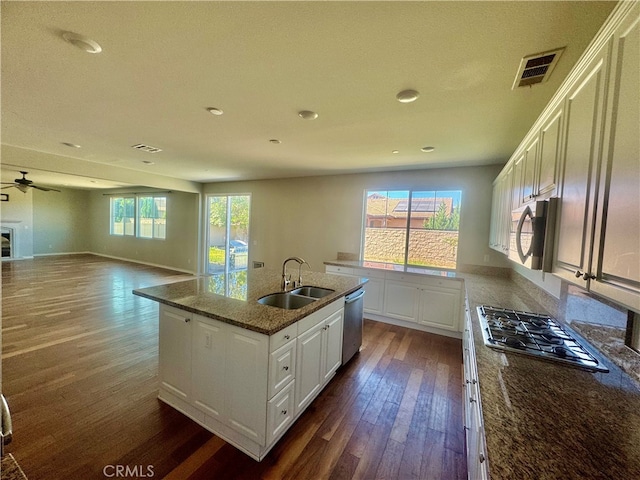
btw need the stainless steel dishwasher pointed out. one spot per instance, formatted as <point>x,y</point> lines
<point>352,333</point>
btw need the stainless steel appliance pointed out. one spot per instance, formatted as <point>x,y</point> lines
<point>534,334</point>
<point>531,234</point>
<point>352,330</point>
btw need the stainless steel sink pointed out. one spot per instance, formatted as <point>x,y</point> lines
<point>315,292</point>
<point>287,301</point>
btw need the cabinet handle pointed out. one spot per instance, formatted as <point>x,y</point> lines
<point>471,399</point>
<point>285,368</point>
<point>287,337</point>
<point>481,458</point>
<point>578,273</point>
<point>284,412</point>
<point>587,276</point>
<point>187,320</point>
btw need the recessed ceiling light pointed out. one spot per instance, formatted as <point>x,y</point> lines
<point>395,151</point>
<point>83,43</point>
<point>214,111</point>
<point>275,141</point>
<point>427,149</point>
<point>72,145</point>
<point>148,162</point>
<point>308,115</point>
<point>407,96</point>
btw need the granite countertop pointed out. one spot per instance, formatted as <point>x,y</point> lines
<point>233,298</point>
<point>544,420</point>
<point>393,267</point>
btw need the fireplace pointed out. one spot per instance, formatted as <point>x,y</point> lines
<point>7,236</point>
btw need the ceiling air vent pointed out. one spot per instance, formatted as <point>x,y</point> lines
<point>536,68</point>
<point>146,148</point>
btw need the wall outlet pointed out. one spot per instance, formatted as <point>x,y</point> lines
<point>258,264</point>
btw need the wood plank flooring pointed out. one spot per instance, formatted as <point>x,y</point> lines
<point>80,363</point>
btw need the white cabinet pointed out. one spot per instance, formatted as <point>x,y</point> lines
<point>318,356</point>
<point>209,366</point>
<point>599,218</point>
<point>440,308</point>
<point>617,230</point>
<point>529,180</point>
<point>501,210</point>
<point>374,288</point>
<point>548,169</point>
<point>246,382</point>
<point>402,300</point>
<point>174,343</point>
<point>240,384</point>
<point>477,463</point>
<point>309,366</point>
<point>584,105</point>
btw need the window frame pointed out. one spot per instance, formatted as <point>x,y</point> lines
<point>136,198</point>
<point>455,194</point>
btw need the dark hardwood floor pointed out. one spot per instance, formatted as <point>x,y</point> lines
<point>79,370</point>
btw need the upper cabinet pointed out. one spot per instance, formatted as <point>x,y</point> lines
<point>616,258</point>
<point>585,149</point>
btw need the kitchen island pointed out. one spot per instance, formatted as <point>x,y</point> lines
<point>243,370</point>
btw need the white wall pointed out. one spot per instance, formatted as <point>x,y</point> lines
<point>179,250</point>
<point>60,221</point>
<point>316,217</point>
<point>17,213</point>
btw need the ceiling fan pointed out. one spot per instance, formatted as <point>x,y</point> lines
<point>23,185</point>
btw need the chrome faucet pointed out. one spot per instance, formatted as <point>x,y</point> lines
<point>286,281</point>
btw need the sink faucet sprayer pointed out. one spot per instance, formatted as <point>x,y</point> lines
<point>286,281</point>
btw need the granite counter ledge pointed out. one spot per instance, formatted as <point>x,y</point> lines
<point>199,296</point>
<point>548,421</point>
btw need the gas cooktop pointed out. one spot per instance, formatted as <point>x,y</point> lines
<point>534,334</point>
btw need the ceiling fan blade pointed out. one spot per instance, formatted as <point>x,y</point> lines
<point>8,183</point>
<point>10,186</point>
<point>44,189</point>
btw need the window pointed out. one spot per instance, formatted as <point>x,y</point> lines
<point>123,216</point>
<point>152,217</point>
<point>412,228</point>
<point>142,216</point>
<point>227,246</point>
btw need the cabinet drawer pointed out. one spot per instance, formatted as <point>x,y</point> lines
<point>442,282</point>
<point>338,270</point>
<point>315,318</point>
<point>278,339</point>
<point>368,272</point>
<point>280,411</point>
<point>282,367</point>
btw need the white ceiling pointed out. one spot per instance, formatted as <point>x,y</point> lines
<point>164,63</point>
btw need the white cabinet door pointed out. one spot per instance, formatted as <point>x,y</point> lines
<point>401,300</point>
<point>309,375</point>
<point>332,344</point>
<point>617,270</point>
<point>440,307</point>
<point>246,382</point>
<point>529,180</point>
<point>282,367</point>
<point>174,344</point>
<point>280,412</point>
<point>550,153</point>
<point>209,365</point>
<point>583,106</point>
<point>374,296</point>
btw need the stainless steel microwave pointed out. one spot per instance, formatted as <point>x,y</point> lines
<point>531,234</point>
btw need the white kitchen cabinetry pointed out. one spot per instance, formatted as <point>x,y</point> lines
<point>319,354</point>
<point>584,105</point>
<point>599,222</point>
<point>528,179</point>
<point>548,168</point>
<point>240,384</point>
<point>174,343</point>
<point>402,300</point>
<point>423,302</point>
<point>374,288</point>
<point>617,233</point>
<point>440,307</point>
<point>477,464</point>
<point>501,210</point>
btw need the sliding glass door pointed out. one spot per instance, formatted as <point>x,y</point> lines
<point>227,233</point>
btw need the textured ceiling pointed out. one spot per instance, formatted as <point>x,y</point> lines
<point>164,63</point>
